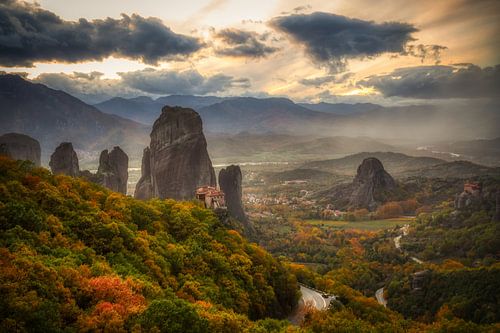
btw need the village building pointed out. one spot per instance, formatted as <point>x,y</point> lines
<point>211,197</point>
<point>472,188</point>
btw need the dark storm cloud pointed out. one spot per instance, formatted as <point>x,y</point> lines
<point>458,81</point>
<point>187,82</point>
<point>240,43</point>
<point>332,39</point>
<point>29,34</point>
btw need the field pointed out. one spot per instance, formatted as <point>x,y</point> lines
<point>373,225</point>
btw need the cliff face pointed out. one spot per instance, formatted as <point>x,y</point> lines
<point>230,183</point>
<point>113,170</point>
<point>64,160</point>
<point>144,187</point>
<point>370,183</point>
<point>496,216</point>
<point>179,161</point>
<point>20,147</point>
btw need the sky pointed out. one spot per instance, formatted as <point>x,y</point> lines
<point>391,52</point>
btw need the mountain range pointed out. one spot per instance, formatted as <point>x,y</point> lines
<point>53,116</point>
<point>423,124</point>
<point>146,109</point>
<point>247,127</point>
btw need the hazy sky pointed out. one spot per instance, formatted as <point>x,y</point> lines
<point>356,50</point>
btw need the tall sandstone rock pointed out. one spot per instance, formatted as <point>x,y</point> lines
<point>230,183</point>
<point>179,161</point>
<point>370,184</point>
<point>144,187</point>
<point>113,170</point>
<point>20,147</point>
<point>64,160</point>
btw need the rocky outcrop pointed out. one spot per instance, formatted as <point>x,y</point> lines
<point>466,199</point>
<point>20,147</point>
<point>496,215</point>
<point>179,161</point>
<point>64,160</point>
<point>471,197</point>
<point>144,187</point>
<point>230,183</point>
<point>370,184</point>
<point>113,170</point>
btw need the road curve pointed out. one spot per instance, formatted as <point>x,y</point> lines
<point>310,296</point>
<point>379,295</point>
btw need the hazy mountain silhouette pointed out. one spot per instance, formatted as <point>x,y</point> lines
<point>146,109</point>
<point>53,116</point>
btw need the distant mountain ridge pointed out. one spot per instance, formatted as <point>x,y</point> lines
<point>146,110</point>
<point>424,123</point>
<point>278,115</point>
<point>53,116</point>
<point>342,109</point>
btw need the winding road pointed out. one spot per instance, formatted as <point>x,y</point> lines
<point>309,297</point>
<point>379,294</point>
<point>314,298</point>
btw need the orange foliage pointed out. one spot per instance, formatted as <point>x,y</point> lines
<point>389,210</point>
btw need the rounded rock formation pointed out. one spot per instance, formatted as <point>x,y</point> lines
<point>64,160</point>
<point>370,183</point>
<point>20,147</point>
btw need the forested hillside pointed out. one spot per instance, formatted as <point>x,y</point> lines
<point>77,257</point>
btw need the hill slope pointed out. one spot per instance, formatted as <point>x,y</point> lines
<point>53,116</point>
<point>395,163</point>
<point>77,257</point>
<point>257,147</point>
<point>455,169</point>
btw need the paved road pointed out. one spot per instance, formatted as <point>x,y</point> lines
<point>418,261</point>
<point>379,295</point>
<point>310,296</point>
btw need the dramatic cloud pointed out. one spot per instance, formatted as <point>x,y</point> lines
<point>240,43</point>
<point>187,82</point>
<point>29,34</point>
<point>323,80</point>
<point>89,87</point>
<point>458,81</point>
<point>332,39</point>
<point>425,51</point>
<point>93,88</point>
